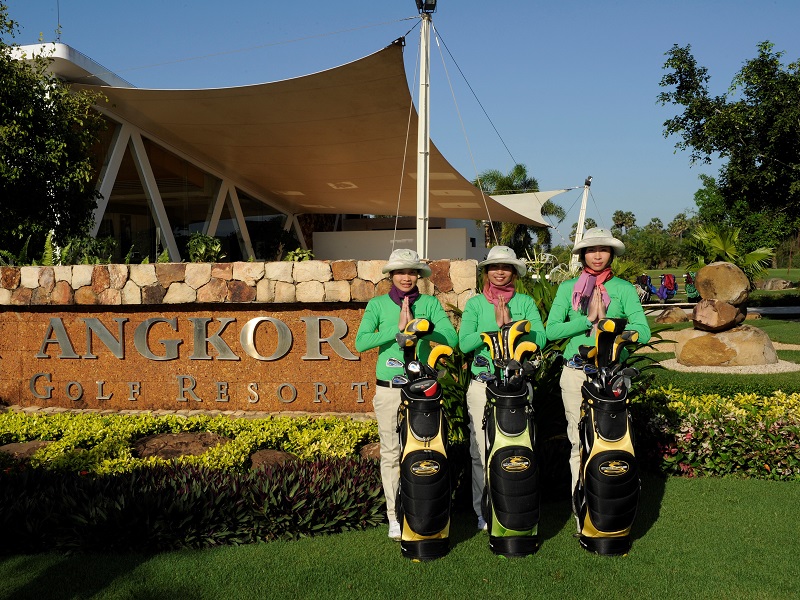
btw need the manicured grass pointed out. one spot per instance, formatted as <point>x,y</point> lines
<point>693,538</point>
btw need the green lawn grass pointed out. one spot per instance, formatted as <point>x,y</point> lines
<point>693,538</point>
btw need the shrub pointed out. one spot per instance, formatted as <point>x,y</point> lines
<point>747,435</point>
<point>180,506</point>
<point>102,443</point>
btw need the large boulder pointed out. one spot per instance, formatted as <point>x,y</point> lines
<point>774,283</point>
<point>173,445</point>
<point>672,315</point>
<point>740,346</point>
<point>268,458</point>
<point>23,450</point>
<point>716,315</point>
<point>722,281</point>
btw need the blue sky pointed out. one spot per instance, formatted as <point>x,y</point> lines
<point>570,86</point>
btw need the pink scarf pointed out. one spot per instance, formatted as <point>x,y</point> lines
<point>589,295</point>
<point>493,292</point>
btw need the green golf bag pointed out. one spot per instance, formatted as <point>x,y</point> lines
<point>510,503</point>
<point>423,499</point>
<point>606,496</point>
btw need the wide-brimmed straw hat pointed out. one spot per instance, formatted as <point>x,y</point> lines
<point>405,258</point>
<point>598,236</point>
<point>503,255</point>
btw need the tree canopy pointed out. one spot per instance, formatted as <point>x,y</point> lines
<point>754,128</point>
<point>46,138</point>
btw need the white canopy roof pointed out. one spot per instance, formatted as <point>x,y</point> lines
<point>331,142</point>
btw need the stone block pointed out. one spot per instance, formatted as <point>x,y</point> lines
<point>265,291</point>
<point>425,286</point>
<point>284,292</point>
<point>370,270</point>
<point>440,275</point>
<point>153,294</point>
<point>47,279</point>
<point>310,291</point>
<point>462,275</point>
<point>279,271</point>
<point>169,273</point>
<point>117,276</point>
<point>312,270</point>
<point>81,276</point>
<point>180,293</point>
<point>9,278</point>
<point>383,287</point>
<point>5,297</point>
<point>39,297</point>
<point>29,277</point>
<point>362,291</point>
<point>239,291</point>
<point>63,273</point>
<point>62,293</point>
<point>249,272</point>
<point>21,296</point>
<point>344,270</point>
<point>337,291</point>
<point>197,274</point>
<point>100,279</point>
<point>110,296</point>
<point>216,290</point>
<point>142,275</point>
<point>131,293</point>
<point>222,271</point>
<point>85,295</point>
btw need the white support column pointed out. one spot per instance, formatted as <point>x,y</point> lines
<point>423,138</point>
<point>240,223</point>
<point>574,263</point>
<point>145,171</point>
<point>109,172</point>
<point>210,226</point>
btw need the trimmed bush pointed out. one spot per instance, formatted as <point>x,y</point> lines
<point>746,435</point>
<point>93,443</point>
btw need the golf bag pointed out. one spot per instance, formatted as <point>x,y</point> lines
<point>423,499</point>
<point>510,502</point>
<point>692,295</point>
<point>644,288</point>
<point>606,497</point>
<point>668,288</point>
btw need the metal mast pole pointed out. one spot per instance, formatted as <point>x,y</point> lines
<point>574,262</point>
<point>423,138</point>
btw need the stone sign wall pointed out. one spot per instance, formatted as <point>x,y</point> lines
<point>232,336</point>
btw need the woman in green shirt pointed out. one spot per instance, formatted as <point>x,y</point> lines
<point>497,305</point>
<point>579,304</point>
<point>385,317</point>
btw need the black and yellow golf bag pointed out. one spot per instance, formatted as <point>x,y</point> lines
<point>423,499</point>
<point>510,503</point>
<point>606,496</point>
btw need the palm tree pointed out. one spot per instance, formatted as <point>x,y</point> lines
<point>517,181</point>
<point>718,243</point>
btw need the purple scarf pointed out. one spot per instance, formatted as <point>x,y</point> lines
<point>398,295</point>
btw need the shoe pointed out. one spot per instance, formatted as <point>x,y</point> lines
<point>394,530</point>
<point>482,524</point>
